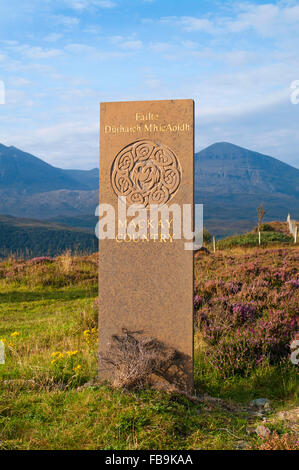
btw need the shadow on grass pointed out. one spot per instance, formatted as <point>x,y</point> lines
<point>17,296</point>
<point>277,382</point>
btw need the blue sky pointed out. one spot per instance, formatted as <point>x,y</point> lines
<point>60,58</point>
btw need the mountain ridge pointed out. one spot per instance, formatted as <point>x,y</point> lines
<point>23,171</point>
<point>230,181</point>
<point>235,169</point>
<point>220,156</point>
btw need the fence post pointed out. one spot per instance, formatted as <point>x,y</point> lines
<point>259,237</point>
<point>214,244</point>
<point>2,352</point>
<point>293,228</point>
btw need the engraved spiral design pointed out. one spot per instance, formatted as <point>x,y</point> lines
<point>146,173</point>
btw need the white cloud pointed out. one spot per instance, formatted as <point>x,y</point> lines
<point>53,37</point>
<point>153,83</point>
<point>189,44</point>
<point>132,45</point>
<point>189,23</point>
<point>258,17</point>
<point>79,48</point>
<point>80,5</point>
<point>159,46</point>
<point>92,29</point>
<point>18,97</point>
<point>33,52</point>
<point>71,144</point>
<point>116,39</point>
<point>91,52</point>
<point>67,21</point>
<point>241,57</point>
<point>10,43</point>
<point>197,24</point>
<point>267,20</point>
<point>292,14</point>
<point>20,82</point>
<point>105,4</point>
<point>64,130</point>
<point>264,131</point>
<point>241,106</point>
<point>242,93</point>
<point>39,53</point>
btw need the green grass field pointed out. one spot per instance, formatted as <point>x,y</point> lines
<point>49,397</point>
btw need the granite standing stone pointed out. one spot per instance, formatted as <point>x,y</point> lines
<point>146,285</point>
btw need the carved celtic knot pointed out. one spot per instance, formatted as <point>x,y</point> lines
<point>146,173</point>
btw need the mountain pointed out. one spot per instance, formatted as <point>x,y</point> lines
<point>49,205</point>
<point>20,171</point>
<point>225,168</point>
<point>230,181</point>
<point>29,238</point>
<point>89,178</point>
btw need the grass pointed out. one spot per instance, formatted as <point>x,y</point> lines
<point>48,402</point>
<point>251,240</point>
<point>272,233</point>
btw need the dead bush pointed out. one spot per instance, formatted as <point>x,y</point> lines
<point>139,361</point>
<point>285,442</point>
<point>66,261</point>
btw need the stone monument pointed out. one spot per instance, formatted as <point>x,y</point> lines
<point>145,262</point>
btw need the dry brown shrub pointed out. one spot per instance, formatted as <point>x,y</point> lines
<point>66,261</point>
<point>285,442</point>
<point>139,361</point>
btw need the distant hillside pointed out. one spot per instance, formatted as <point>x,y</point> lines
<point>230,181</point>
<point>49,205</point>
<point>31,238</point>
<point>90,178</point>
<point>87,222</point>
<point>20,171</point>
<point>225,168</point>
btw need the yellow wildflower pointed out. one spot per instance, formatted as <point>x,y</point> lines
<point>72,353</point>
<point>57,355</point>
<point>78,367</point>
<point>15,333</point>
